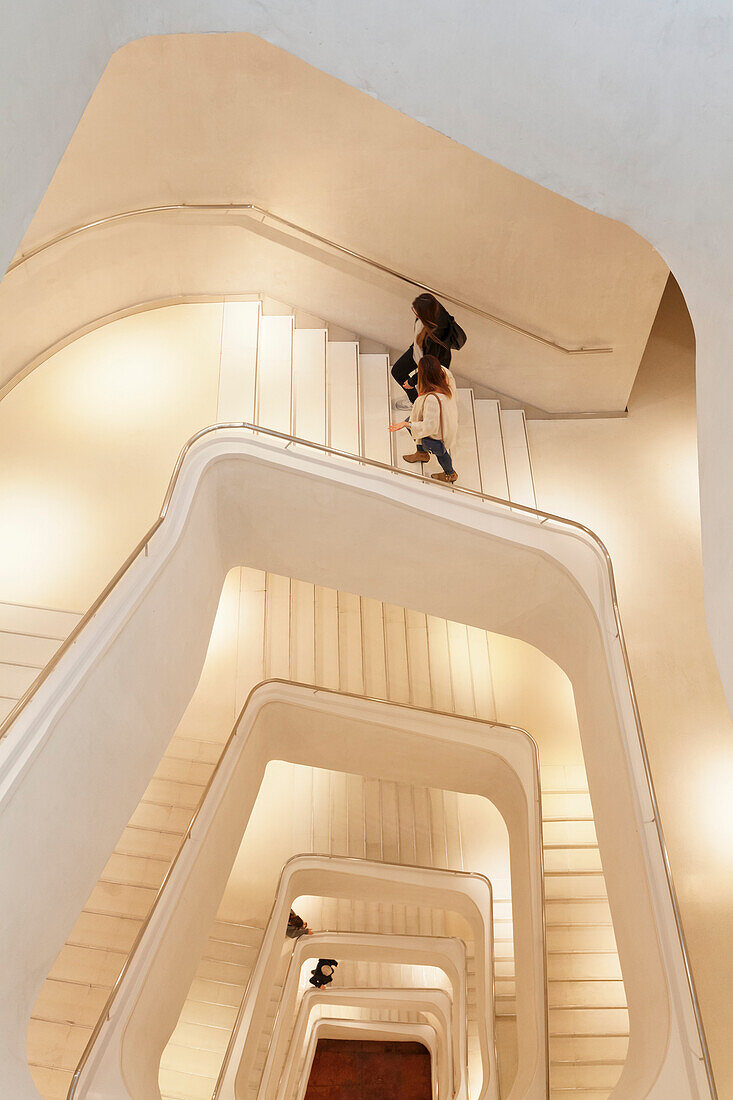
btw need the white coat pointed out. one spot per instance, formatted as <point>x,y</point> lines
<point>426,416</point>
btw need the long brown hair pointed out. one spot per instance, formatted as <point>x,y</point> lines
<point>428,310</point>
<point>431,378</point>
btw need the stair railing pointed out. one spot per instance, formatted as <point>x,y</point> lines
<point>522,509</point>
<point>105,1014</point>
<point>250,208</point>
<point>323,934</point>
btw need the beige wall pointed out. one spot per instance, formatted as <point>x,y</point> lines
<point>230,118</point>
<point>87,446</point>
<point>634,481</point>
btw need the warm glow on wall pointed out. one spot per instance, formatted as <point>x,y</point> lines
<point>44,541</point>
<point>87,445</point>
<point>714,786</point>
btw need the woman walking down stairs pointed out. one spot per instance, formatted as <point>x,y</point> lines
<point>319,384</point>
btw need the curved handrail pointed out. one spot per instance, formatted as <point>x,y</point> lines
<point>358,860</point>
<point>253,208</point>
<point>524,509</point>
<point>317,690</point>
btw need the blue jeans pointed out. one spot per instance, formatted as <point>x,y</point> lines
<point>437,448</point>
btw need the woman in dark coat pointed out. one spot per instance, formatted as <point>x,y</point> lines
<point>436,333</point>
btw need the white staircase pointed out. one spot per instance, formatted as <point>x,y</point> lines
<point>29,637</point>
<point>298,375</point>
<point>192,1060</point>
<point>300,631</point>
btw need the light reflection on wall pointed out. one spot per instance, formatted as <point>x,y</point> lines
<point>45,530</point>
<point>87,445</point>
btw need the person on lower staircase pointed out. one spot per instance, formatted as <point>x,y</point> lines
<point>323,973</point>
<point>436,333</point>
<point>433,421</point>
<point>297,927</point>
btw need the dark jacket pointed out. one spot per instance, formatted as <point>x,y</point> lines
<point>449,335</point>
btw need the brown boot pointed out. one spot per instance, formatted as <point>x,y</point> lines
<point>445,477</point>
<point>419,456</point>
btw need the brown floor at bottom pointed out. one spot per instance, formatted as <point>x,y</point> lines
<point>364,1070</point>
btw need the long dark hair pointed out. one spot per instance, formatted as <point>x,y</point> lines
<point>429,311</point>
<point>431,378</point>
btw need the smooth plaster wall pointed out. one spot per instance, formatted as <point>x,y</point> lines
<point>87,446</point>
<point>620,108</point>
<point>634,481</point>
<point>233,119</point>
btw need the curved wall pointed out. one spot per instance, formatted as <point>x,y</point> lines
<point>332,159</point>
<point>558,598</point>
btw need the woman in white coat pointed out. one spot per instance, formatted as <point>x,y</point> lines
<point>434,418</point>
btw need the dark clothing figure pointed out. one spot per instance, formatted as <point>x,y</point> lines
<point>297,927</point>
<point>323,974</point>
<point>448,335</point>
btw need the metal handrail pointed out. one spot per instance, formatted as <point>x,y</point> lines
<point>317,690</point>
<point>326,933</point>
<point>253,208</point>
<point>523,509</point>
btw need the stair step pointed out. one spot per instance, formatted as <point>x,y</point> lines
<point>374,381</point>
<point>588,1048</point>
<point>117,898</point>
<point>171,793</point>
<point>274,373</point>
<point>144,871</point>
<point>580,936</point>
<point>204,1012</point>
<point>224,970</point>
<point>574,884</point>
<point>56,1044</point>
<point>26,649</point>
<point>232,932</point>
<point>191,748</point>
<point>184,771</point>
<point>192,1060</point>
<point>344,430</point>
<point>186,1086</point>
<point>41,622</point>
<point>154,815</point>
<point>109,931</point>
<point>151,843</point>
<point>569,832</point>
<point>584,910</point>
<point>566,966</point>
<point>465,453</point>
<point>563,805</point>
<point>309,383</point>
<point>578,860</point>
<point>16,678</point>
<point>52,1083</point>
<point>589,1021</point>
<point>220,993</point>
<point>492,460</point>
<point>519,466</point>
<point>88,965</point>
<point>238,362</point>
<point>202,1036</point>
<point>71,1002</point>
<point>586,992</point>
<point>603,1075</point>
